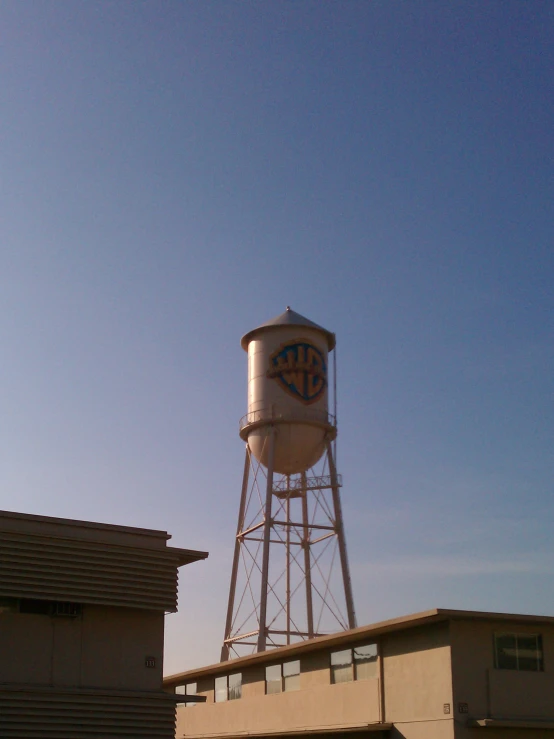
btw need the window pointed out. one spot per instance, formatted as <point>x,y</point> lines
<point>291,675</point>
<point>273,679</point>
<point>365,661</point>
<point>284,677</point>
<point>518,652</point>
<point>66,609</point>
<point>38,607</point>
<point>359,663</point>
<point>228,687</point>
<point>188,689</point>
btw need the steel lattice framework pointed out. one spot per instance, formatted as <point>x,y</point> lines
<point>290,578</point>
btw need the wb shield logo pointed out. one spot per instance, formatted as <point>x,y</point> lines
<point>300,369</point>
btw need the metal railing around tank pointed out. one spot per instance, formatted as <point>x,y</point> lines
<point>290,484</point>
<point>312,416</point>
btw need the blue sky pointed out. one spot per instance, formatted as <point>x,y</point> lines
<point>174,173</point>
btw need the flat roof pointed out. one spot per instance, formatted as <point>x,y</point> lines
<point>86,524</point>
<point>107,533</point>
<point>401,623</point>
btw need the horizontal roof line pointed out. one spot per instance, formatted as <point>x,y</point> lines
<point>87,524</point>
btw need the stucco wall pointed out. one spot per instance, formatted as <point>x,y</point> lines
<point>322,706</point>
<point>417,682</point>
<point>416,671</point>
<point>316,704</point>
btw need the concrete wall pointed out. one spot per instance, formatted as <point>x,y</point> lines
<point>489,692</point>
<point>417,682</point>
<point>104,647</point>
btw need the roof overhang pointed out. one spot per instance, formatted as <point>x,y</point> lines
<point>350,636</point>
<point>358,731</point>
<point>186,556</point>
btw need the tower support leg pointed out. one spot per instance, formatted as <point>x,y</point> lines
<point>287,564</point>
<point>307,558</point>
<point>341,540</point>
<point>236,558</point>
<point>262,634</point>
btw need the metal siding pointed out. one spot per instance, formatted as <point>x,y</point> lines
<point>34,713</point>
<point>87,572</point>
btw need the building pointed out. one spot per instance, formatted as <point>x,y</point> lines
<point>441,674</point>
<point>82,628</point>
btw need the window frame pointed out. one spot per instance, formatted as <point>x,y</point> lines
<point>185,691</point>
<point>353,664</point>
<point>517,635</point>
<point>283,678</point>
<point>229,690</point>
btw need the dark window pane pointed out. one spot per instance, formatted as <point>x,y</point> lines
<point>506,651</point>
<point>540,657</point>
<point>519,652</point>
<point>61,608</point>
<point>529,655</point>
<point>40,607</point>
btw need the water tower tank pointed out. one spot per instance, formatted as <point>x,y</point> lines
<point>287,392</point>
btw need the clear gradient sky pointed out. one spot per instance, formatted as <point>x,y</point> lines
<point>174,173</point>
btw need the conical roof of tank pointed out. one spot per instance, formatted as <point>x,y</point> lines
<point>288,318</point>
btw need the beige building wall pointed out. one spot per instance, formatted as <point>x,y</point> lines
<point>411,688</point>
<point>499,694</point>
<point>436,679</point>
<point>317,704</point>
<point>417,682</point>
<point>324,707</point>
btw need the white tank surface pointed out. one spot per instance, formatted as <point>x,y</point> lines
<point>288,391</point>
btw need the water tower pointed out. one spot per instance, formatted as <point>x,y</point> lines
<point>290,578</point>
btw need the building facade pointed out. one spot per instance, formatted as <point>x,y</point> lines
<point>82,628</point>
<point>441,674</point>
